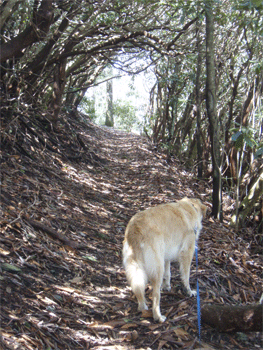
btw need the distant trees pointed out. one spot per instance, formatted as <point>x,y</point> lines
<point>109,113</point>
<point>53,51</point>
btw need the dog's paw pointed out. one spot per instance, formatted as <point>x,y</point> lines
<point>159,318</point>
<point>166,287</point>
<point>142,307</point>
<point>162,319</point>
<point>192,293</point>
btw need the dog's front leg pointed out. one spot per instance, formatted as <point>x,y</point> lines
<point>185,264</point>
<point>167,276</point>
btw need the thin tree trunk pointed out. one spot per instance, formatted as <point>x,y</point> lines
<point>109,113</point>
<point>211,103</point>
<point>248,204</point>
<point>198,100</point>
<point>58,89</point>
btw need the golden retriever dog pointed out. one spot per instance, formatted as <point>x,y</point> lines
<point>155,237</point>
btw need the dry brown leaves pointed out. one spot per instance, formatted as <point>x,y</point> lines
<point>67,290</point>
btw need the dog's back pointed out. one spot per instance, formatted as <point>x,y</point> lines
<point>165,225</point>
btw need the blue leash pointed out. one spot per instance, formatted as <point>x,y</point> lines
<point>198,295</point>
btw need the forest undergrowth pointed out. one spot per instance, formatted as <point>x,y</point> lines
<point>67,195</point>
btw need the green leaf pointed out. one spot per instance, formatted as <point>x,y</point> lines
<point>249,140</point>
<point>259,153</point>
<point>10,268</point>
<point>90,257</point>
<point>238,138</point>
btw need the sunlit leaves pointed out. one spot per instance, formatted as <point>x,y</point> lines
<point>106,18</point>
<point>248,5</point>
<point>259,152</point>
<point>242,136</point>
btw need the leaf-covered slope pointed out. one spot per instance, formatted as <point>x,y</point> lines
<point>66,197</point>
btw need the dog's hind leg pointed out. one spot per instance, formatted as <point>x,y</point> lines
<point>139,291</point>
<point>138,280</point>
<point>156,284</point>
<point>167,276</point>
<point>136,276</point>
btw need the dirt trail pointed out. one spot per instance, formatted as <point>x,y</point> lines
<point>83,186</point>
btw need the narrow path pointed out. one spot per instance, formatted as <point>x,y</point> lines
<point>87,190</point>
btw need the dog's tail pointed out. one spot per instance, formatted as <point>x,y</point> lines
<point>135,273</point>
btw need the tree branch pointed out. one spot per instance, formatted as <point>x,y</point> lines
<point>237,318</point>
<point>33,33</point>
